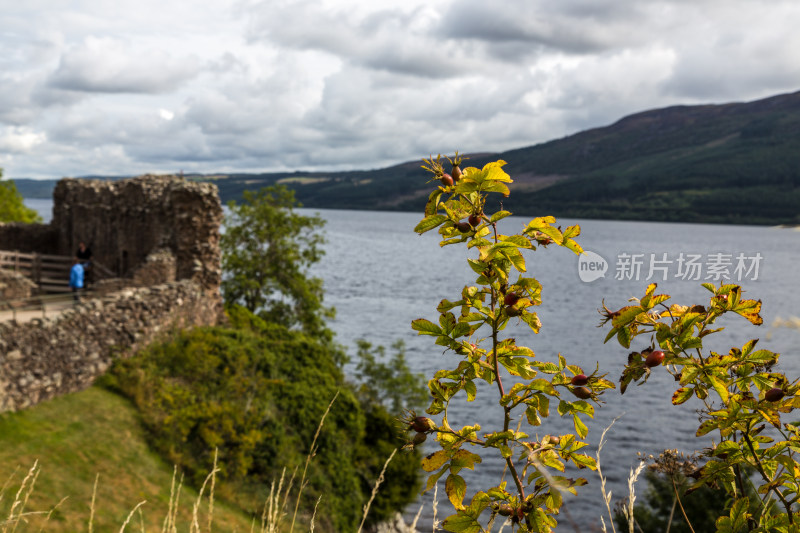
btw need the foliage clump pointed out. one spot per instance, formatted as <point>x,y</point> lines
<point>256,392</point>
<point>266,250</point>
<point>475,328</point>
<point>12,207</point>
<point>743,402</point>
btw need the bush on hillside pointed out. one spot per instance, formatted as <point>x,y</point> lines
<point>256,392</point>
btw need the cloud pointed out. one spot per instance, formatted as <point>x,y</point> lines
<point>108,65</point>
<point>157,85</point>
<point>20,140</point>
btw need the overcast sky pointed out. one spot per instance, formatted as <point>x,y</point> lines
<point>128,87</point>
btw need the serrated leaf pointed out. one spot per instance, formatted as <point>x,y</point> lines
<point>456,488</point>
<point>500,215</point>
<point>430,222</point>
<point>706,427</point>
<point>434,461</point>
<point>432,479</point>
<point>681,395</point>
<point>425,327</point>
<point>471,390</point>
<point>462,523</point>
<point>580,427</point>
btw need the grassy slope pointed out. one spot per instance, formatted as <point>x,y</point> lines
<point>78,436</point>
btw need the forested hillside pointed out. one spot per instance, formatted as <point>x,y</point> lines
<point>731,163</point>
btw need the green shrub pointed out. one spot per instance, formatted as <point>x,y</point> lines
<point>256,392</point>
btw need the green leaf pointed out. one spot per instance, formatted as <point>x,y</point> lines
<point>456,488</point>
<point>719,386</point>
<point>706,427</point>
<point>583,461</point>
<point>425,327</point>
<point>462,523</point>
<point>464,459</point>
<point>471,390</point>
<point>432,479</point>
<point>430,222</point>
<point>532,319</point>
<point>580,427</point>
<point>500,215</point>
<point>495,186</point>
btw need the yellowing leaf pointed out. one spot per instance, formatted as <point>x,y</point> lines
<point>455,487</point>
<point>434,461</point>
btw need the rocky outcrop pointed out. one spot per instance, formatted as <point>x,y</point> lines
<point>44,358</point>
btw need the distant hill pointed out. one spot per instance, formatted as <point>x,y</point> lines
<point>732,163</point>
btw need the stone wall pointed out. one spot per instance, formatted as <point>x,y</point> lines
<point>15,286</point>
<point>28,238</point>
<point>45,358</point>
<point>124,221</point>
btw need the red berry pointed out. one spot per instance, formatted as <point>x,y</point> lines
<point>464,227</point>
<point>773,395</point>
<point>654,358</point>
<point>582,392</point>
<point>474,220</point>
<point>580,380</point>
<point>456,173</point>
<point>422,424</point>
<point>505,510</point>
<point>447,180</point>
<point>554,440</point>
<point>511,298</point>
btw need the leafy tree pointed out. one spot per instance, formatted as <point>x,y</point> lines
<point>389,384</point>
<point>12,208</point>
<point>266,250</point>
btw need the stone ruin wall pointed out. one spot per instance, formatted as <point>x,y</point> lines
<point>28,238</point>
<point>48,357</point>
<point>124,221</point>
<point>160,234</point>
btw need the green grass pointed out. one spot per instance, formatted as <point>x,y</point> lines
<point>77,437</point>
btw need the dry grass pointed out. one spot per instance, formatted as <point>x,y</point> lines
<point>202,516</point>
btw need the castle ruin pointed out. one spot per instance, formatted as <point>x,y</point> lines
<point>159,235</point>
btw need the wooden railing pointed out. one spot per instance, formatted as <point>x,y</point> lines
<point>49,272</point>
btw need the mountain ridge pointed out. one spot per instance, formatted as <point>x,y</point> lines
<point>723,163</point>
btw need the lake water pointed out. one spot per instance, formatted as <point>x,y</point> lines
<point>380,276</point>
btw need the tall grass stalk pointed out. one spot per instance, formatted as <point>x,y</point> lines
<point>606,495</point>
<point>94,501</point>
<point>634,475</point>
<point>195,525</point>
<point>435,505</point>
<point>130,515</point>
<point>311,453</point>
<point>314,515</point>
<point>375,490</point>
<point>21,498</point>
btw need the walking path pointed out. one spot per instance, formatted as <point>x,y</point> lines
<point>49,309</point>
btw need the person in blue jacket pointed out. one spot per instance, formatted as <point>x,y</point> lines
<point>76,279</point>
